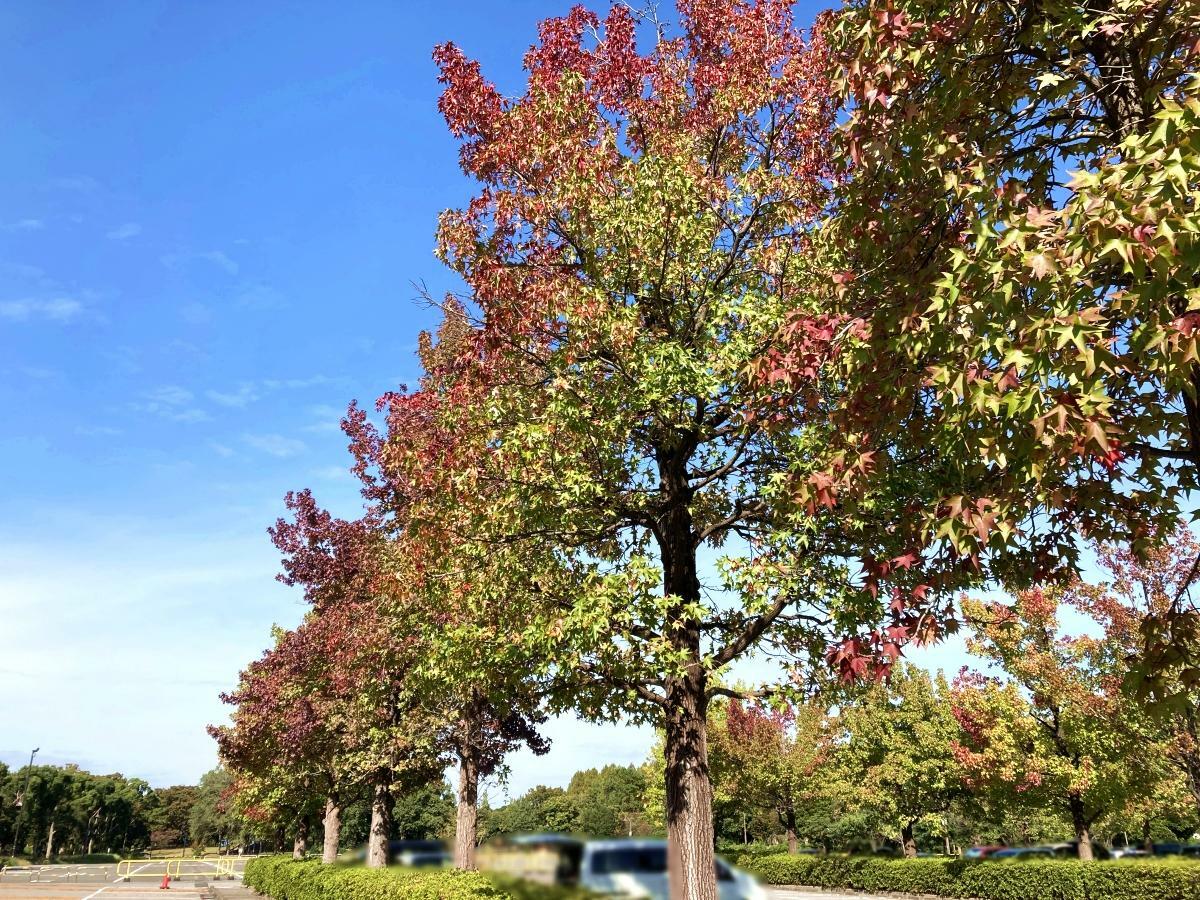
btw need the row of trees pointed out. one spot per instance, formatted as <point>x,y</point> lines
<point>47,811</point>
<point>867,315</point>
<point>1041,743</point>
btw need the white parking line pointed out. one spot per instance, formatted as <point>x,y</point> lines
<point>112,884</point>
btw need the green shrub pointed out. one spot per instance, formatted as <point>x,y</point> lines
<point>90,858</point>
<point>282,878</point>
<point>1057,879</point>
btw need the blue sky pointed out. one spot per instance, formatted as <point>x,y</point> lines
<point>212,217</point>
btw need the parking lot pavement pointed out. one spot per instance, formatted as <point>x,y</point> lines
<point>135,880</point>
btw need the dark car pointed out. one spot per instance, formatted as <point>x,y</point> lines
<point>984,851</point>
<point>422,854</point>
<point>1024,853</point>
<point>1070,850</point>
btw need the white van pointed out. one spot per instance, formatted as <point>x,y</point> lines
<point>638,868</point>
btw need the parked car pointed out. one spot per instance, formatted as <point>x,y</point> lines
<point>984,851</point>
<point>638,868</point>
<point>421,854</point>
<point>1128,852</point>
<point>1070,850</point>
<point>1023,853</point>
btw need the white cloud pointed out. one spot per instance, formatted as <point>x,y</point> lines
<point>275,384</point>
<point>195,313</point>
<point>328,419</point>
<point>82,183</point>
<point>125,232</point>
<point>173,403</point>
<point>216,257</point>
<point>239,399</point>
<point>25,225</point>
<point>56,309</point>
<point>97,431</point>
<point>221,450</point>
<point>260,296</point>
<point>275,444</point>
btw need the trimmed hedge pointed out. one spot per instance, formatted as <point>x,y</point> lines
<point>1010,880</point>
<point>283,878</point>
<point>92,858</point>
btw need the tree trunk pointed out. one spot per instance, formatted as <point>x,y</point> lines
<point>1083,834</point>
<point>1147,844</point>
<point>789,823</point>
<point>691,870</point>
<point>50,842</point>
<point>468,804</point>
<point>332,824</point>
<point>692,867</point>
<point>909,841</point>
<point>378,849</point>
<point>300,844</point>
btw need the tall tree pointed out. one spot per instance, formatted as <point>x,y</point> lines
<point>1059,731</point>
<point>1012,263</point>
<point>1133,606</point>
<point>462,598</point>
<point>774,758</point>
<point>898,757</point>
<point>630,256</point>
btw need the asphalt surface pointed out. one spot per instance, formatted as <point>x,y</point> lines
<point>196,881</point>
<point>139,880</point>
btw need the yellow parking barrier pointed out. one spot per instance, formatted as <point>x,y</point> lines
<point>143,868</point>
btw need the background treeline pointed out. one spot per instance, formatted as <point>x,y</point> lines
<point>63,811</point>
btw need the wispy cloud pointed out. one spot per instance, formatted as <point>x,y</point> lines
<point>98,431</point>
<point>125,232</point>
<point>221,449</point>
<point>195,313</point>
<point>217,258</point>
<point>275,445</point>
<point>328,419</point>
<point>173,403</point>
<point>25,225</point>
<point>84,184</point>
<point>239,399</point>
<point>56,309</point>
<point>275,384</point>
<point>260,296</point>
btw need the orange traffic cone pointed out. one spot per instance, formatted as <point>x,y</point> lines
<point>166,885</point>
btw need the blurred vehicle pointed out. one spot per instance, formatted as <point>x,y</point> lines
<point>1128,852</point>
<point>419,854</point>
<point>1070,850</point>
<point>983,851</point>
<point>638,868</point>
<point>1023,853</point>
<point>1191,850</point>
<point>1168,849</point>
<point>543,858</point>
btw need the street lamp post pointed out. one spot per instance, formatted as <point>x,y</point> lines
<point>24,800</point>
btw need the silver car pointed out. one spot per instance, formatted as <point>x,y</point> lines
<point>638,868</point>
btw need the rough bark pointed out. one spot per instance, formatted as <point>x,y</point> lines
<point>691,863</point>
<point>332,824</point>
<point>789,824</point>
<point>378,851</point>
<point>468,807</point>
<point>300,843</point>
<point>909,840</point>
<point>692,867</point>
<point>1083,833</point>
